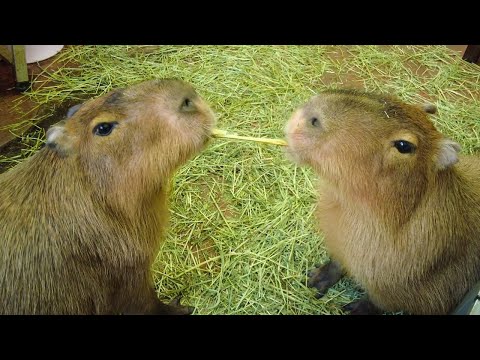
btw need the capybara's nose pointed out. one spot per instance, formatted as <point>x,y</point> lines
<point>313,121</point>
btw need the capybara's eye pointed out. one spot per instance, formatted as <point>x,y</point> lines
<point>314,121</point>
<point>104,129</point>
<point>404,146</point>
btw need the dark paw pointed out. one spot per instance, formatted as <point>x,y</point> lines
<point>323,277</point>
<point>361,307</point>
<point>179,309</point>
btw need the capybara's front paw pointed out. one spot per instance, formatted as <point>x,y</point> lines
<point>178,309</point>
<point>324,276</point>
<point>362,307</point>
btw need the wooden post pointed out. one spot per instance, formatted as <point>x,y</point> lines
<point>21,70</point>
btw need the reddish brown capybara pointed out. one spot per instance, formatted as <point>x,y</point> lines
<point>81,221</point>
<point>397,203</point>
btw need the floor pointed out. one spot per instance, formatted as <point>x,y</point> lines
<point>8,94</point>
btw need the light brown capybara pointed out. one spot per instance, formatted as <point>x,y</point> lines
<point>399,207</point>
<point>81,221</point>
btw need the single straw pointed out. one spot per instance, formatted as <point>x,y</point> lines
<point>224,134</point>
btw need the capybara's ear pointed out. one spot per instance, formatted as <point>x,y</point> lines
<point>58,140</point>
<point>73,110</point>
<point>448,153</point>
<point>429,108</point>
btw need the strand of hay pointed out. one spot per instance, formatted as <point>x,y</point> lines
<point>222,134</point>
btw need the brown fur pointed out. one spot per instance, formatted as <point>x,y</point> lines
<point>405,226</point>
<point>81,221</point>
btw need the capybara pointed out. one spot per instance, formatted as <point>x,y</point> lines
<point>81,220</point>
<point>398,205</point>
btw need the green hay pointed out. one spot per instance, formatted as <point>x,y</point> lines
<point>29,143</point>
<point>241,236</point>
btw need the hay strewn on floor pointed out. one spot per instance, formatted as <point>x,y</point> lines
<point>242,235</point>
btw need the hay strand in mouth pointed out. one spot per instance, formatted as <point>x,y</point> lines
<point>222,134</point>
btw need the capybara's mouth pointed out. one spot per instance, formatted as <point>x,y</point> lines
<point>290,152</point>
<point>294,151</point>
<point>207,139</point>
<point>208,133</point>
<point>290,141</point>
<point>210,126</point>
